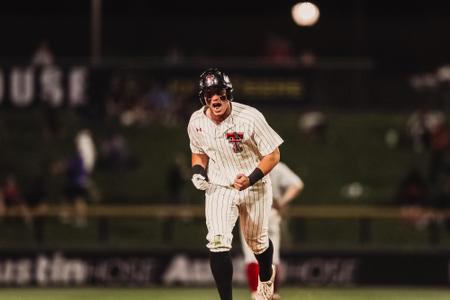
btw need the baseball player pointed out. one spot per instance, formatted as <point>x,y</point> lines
<point>233,149</point>
<point>286,185</point>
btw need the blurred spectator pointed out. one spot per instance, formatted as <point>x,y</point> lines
<point>133,105</point>
<point>11,200</point>
<point>424,82</point>
<point>43,55</point>
<point>443,77</point>
<point>125,101</point>
<point>441,200</point>
<point>79,187</point>
<point>427,131</point>
<point>314,123</point>
<point>159,102</point>
<point>115,153</point>
<point>133,109</point>
<point>75,189</point>
<point>413,189</point>
<point>417,130</point>
<point>131,93</point>
<point>114,98</point>
<point>117,95</point>
<point>86,147</point>
<point>439,147</point>
<point>413,196</point>
<point>277,49</point>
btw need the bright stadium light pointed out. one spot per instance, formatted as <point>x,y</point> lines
<point>305,14</point>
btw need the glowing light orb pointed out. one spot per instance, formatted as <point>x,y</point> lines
<point>305,14</point>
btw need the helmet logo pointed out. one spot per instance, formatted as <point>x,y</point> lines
<point>211,80</point>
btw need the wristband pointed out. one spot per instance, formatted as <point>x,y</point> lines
<point>256,175</point>
<point>198,169</point>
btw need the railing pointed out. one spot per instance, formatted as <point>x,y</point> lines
<point>190,210</point>
<point>365,215</point>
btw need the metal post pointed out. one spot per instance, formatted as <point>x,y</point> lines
<point>96,35</point>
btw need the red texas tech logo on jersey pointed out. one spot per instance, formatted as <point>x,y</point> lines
<point>235,138</point>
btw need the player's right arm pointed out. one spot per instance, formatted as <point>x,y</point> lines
<point>199,176</point>
<point>200,159</point>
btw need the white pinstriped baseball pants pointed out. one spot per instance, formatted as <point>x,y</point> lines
<point>224,205</point>
<point>274,235</point>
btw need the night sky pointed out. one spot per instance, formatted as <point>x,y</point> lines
<point>414,33</point>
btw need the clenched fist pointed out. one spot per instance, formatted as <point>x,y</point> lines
<point>241,182</point>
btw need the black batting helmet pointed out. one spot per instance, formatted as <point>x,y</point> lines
<point>212,79</point>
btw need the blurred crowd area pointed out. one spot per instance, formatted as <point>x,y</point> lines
<point>116,133</point>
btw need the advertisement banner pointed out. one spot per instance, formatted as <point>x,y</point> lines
<point>56,268</point>
<point>71,86</point>
<point>55,86</point>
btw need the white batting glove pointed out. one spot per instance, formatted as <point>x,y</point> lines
<point>200,182</point>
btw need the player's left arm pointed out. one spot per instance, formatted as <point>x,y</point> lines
<point>267,163</point>
<point>267,142</point>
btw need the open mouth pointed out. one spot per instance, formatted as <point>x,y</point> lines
<point>217,105</point>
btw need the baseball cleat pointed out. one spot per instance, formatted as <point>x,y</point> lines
<point>265,288</point>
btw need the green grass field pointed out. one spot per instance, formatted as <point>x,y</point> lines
<point>209,294</point>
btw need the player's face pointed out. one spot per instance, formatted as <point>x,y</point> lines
<point>217,102</point>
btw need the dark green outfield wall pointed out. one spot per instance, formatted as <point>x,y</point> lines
<point>352,150</point>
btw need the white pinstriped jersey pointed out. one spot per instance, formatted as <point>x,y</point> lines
<point>234,146</point>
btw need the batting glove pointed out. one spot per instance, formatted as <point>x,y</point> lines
<point>200,182</point>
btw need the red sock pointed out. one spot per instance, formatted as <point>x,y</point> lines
<point>252,276</point>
